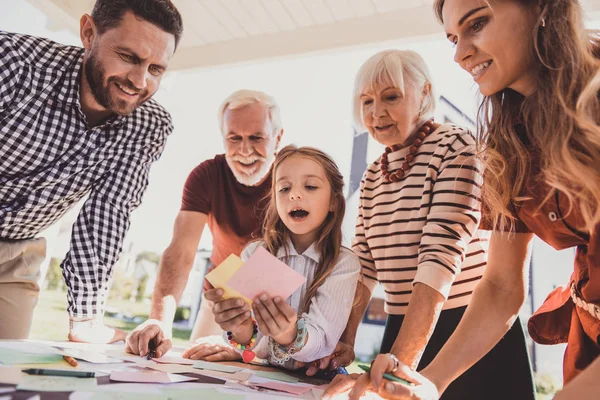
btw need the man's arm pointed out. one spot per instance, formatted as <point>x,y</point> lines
<point>97,238</point>
<point>174,270</point>
<point>175,265</point>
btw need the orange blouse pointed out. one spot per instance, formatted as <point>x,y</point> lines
<point>559,320</point>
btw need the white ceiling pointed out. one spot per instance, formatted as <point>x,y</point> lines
<point>227,31</point>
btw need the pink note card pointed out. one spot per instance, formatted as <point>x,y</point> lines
<point>148,377</point>
<point>286,387</point>
<point>263,272</point>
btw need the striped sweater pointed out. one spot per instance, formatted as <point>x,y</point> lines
<point>423,228</point>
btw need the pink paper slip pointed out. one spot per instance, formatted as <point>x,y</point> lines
<point>173,359</point>
<point>148,377</point>
<point>286,387</point>
<point>263,272</point>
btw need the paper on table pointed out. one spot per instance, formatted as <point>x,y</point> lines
<point>7,390</point>
<point>41,383</point>
<point>89,356</point>
<point>148,377</point>
<point>115,396</point>
<point>286,387</point>
<point>173,368</point>
<point>174,357</point>
<point>11,375</point>
<point>200,393</point>
<point>278,376</point>
<point>12,357</point>
<point>211,366</point>
<point>219,276</point>
<point>263,272</point>
<point>241,375</point>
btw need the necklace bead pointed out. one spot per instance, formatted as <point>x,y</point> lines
<point>395,176</point>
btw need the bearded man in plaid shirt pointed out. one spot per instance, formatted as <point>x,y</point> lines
<point>78,122</point>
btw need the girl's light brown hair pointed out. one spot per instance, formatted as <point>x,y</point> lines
<point>329,242</point>
<point>561,119</point>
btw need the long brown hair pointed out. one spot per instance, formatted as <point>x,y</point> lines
<point>560,119</point>
<point>329,242</point>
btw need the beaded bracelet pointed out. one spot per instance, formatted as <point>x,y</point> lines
<point>280,354</point>
<point>246,349</point>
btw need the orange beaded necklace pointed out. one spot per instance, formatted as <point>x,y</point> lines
<point>395,176</point>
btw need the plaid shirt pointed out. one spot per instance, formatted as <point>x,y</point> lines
<point>50,159</point>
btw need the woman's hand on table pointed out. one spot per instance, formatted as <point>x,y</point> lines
<point>211,352</point>
<point>357,384</point>
<point>276,318</point>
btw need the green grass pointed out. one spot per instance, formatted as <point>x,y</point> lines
<point>51,321</point>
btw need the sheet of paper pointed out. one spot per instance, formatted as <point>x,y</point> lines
<point>115,396</point>
<point>11,375</point>
<point>242,375</point>
<point>27,347</point>
<point>13,357</point>
<point>219,276</point>
<point>89,356</point>
<point>148,377</point>
<point>174,357</point>
<point>287,387</point>
<point>40,383</point>
<point>277,376</point>
<point>263,272</point>
<point>211,366</point>
<point>200,393</point>
<point>7,390</point>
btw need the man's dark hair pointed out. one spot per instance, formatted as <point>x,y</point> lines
<point>162,13</point>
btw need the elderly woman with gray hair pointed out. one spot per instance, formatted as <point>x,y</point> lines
<point>418,235</point>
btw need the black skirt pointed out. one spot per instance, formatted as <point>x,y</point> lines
<point>504,373</point>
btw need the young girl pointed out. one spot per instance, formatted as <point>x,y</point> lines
<point>302,229</point>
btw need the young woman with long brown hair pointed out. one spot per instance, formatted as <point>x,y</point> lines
<point>303,229</point>
<point>539,134</point>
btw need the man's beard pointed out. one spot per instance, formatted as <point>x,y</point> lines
<point>95,75</point>
<point>256,177</point>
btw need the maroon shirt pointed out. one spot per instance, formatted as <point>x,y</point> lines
<point>235,211</point>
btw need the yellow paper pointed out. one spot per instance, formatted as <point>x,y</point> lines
<point>219,276</point>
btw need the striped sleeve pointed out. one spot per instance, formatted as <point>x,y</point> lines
<point>368,275</point>
<point>453,218</point>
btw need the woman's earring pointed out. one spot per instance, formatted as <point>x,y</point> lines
<point>543,23</point>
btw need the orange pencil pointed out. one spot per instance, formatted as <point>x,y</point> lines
<point>71,360</point>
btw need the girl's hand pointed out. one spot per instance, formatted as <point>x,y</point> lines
<point>232,315</point>
<point>211,352</point>
<point>276,318</point>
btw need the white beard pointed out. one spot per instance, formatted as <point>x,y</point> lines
<point>256,177</point>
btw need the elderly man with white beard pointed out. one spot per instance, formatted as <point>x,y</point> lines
<point>228,193</point>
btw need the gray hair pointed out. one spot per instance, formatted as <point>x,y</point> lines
<point>393,68</point>
<point>243,98</point>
